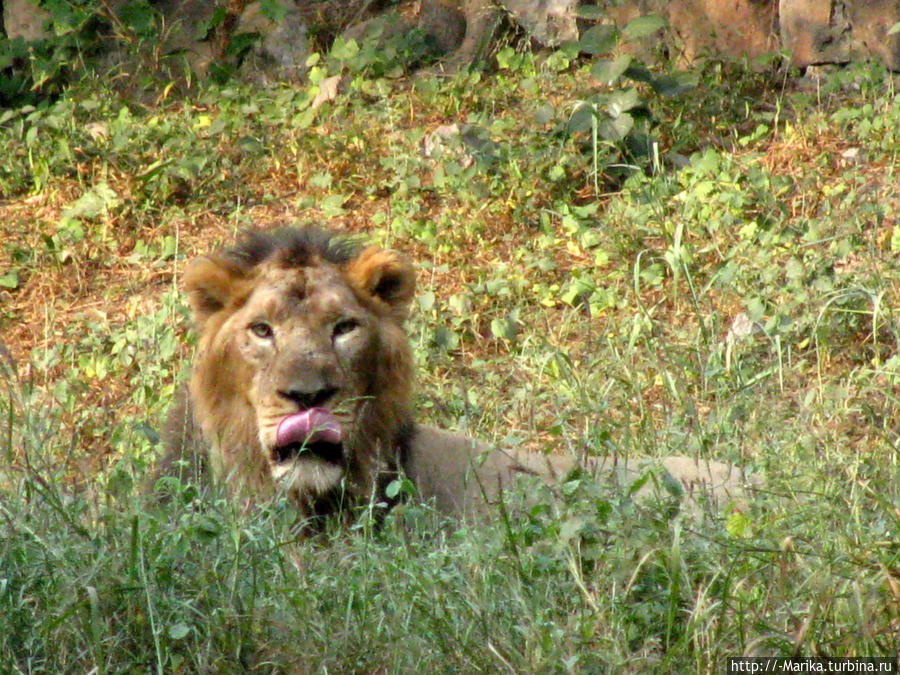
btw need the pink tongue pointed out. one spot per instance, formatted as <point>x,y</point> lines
<point>310,426</point>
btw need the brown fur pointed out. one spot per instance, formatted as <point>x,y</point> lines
<point>303,284</point>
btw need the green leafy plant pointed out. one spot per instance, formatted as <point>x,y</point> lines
<point>617,118</point>
<point>735,301</point>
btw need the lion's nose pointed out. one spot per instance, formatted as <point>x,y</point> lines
<point>308,399</point>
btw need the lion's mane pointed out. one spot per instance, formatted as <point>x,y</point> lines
<point>300,283</point>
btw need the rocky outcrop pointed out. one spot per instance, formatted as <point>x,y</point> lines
<point>734,27</point>
<point>822,31</point>
<point>550,22</point>
<point>277,47</point>
<point>462,29</point>
<point>282,47</point>
<point>811,31</point>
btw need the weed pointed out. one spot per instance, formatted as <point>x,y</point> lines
<point>734,299</point>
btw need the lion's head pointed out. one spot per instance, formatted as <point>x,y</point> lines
<point>303,375</point>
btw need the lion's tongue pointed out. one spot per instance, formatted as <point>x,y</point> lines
<point>310,426</point>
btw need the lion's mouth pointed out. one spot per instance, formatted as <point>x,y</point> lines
<point>313,432</point>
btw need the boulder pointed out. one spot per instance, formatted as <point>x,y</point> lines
<point>281,50</point>
<point>830,31</point>
<point>737,28</point>
<point>462,29</point>
<point>812,31</point>
<point>550,22</point>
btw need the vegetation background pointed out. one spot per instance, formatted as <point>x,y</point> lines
<point>613,259</point>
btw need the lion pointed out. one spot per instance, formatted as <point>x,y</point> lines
<point>302,385</point>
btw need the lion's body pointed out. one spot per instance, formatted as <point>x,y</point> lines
<point>461,476</point>
<point>303,381</point>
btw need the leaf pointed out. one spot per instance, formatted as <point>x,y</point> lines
<point>622,101</point>
<point>638,483</point>
<point>92,203</point>
<point>207,528</point>
<point>544,114</point>
<point>672,485</point>
<point>599,39</point>
<point>426,301</point>
<point>738,525</point>
<point>138,16</point>
<point>508,59</point>
<point>505,328</point>
<point>120,482</point>
<point>250,145</point>
<point>392,489</point>
<point>333,205</point>
<point>755,309</point>
<point>615,129</point>
<point>793,269</point>
<point>581,119</point>
<point>639,73</point>
<point>10,280</point>
<point>893,30</point>
<point>643,26</point>
<point>168,248</point>
<point>608,72</point>
<point>673,85</point>
<point>344,50</point>
<point>445,338</point>
<point>179,631</point>
<point>400,486</point>
<point>155,169</point>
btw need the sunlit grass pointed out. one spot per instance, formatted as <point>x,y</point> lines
<point>741,307</point>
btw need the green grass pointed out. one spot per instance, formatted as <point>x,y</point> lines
<point>739,305</point>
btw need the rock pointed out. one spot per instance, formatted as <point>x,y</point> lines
<point>813,31</point>
<point>383,28</point>
<point>701,28</point>
<point>186,22</point>
<point>550,22</point>
<point>736,28</point>
<point>829,31</point>
<point>462,29</point>
<point>871,20</point>
<point>811,34</point>
<point>482,18</point>
<point>445,22</point>
<point>281,51</point>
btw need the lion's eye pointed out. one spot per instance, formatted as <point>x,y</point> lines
<point>345,326</point>
<point>261,330</point>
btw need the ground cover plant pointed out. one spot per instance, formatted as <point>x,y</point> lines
<point>715,275</point>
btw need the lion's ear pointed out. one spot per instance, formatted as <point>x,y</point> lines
<point>385,276</point>
<point>210,282</point>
